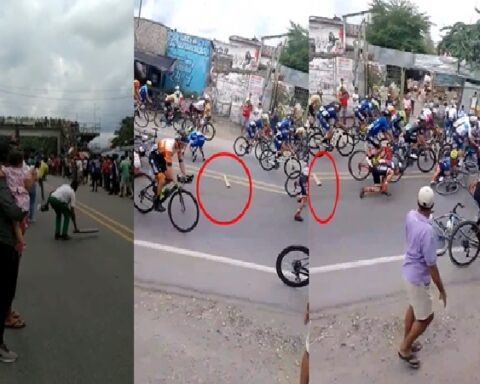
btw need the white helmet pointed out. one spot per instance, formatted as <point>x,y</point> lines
<point>177,88</point>
<point>473,119</point>
<point>207,97</point>
<point>426,198</point>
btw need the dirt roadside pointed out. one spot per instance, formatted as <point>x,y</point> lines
<point>186,340</point>
<point>358,344</point>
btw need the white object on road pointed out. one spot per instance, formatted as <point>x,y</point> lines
<point>227,183</point>
<point>317,180</point>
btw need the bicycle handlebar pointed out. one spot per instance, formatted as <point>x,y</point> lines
<point>185,179</point>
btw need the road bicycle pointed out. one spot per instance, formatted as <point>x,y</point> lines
<point>146,192</point>
<point>425,157</point>
<point>243,145</point>
<point>464,241</point>
<point>443,227</point>
<point>205,126</point>
<point>360,168</point>
<point>270,160</point>
<point>450,184</point>
<point>294,272</point>
<point>341,140</point>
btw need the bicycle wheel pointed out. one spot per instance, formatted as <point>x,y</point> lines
<point>144,192</point>
<point>292,186</point>
<point>292,167</point>
<point>296,274</point>
<point>141,118</point>
<point>191,217</point>
<point>439,226</point>
<point>345,144</point>
<point>268,160</point>
<point>463,247</point>
<point>447,187</point>
<point>396,178</point>
<point>241,146</point>
<point>426,160</point>
<point>315,143</point>
<point>358,165</point>
<point>208,131</point>
<point>259,147</point>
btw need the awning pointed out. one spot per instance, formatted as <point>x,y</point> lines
<point>162,63</point>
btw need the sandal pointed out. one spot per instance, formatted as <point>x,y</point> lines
<point>16,324</point>
<point>416,347</point>
<point>15,314</point>
<point>412,361</point>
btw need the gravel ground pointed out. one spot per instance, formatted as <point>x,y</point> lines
<point>182,339</point>
<point>358,344</point>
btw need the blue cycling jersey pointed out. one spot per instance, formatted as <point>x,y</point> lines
<point>365,106</point>
<point>379,125</point>
<point>143,91</point>
<point>396,119</point>
<point>196,139</point>
<point>328,112</point>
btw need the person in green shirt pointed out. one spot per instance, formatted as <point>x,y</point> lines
<point>124,176</point>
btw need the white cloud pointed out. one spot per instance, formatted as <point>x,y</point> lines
<point>67,50</point>
<point>441,16</point>
<point>220,19</point>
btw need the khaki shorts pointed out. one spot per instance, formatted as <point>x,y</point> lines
<point>420,298</point>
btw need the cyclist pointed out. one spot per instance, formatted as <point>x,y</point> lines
<point>196,141</point>
<point>474,137</point>
<point>326,115</point>
<point>446,165</point>
<point>136,88</point>
<point>143,92</point>
<point>199,108</point>
<point>450,117</point>
<point>313,106</point>
<point>383,171</point>
<point>302,198</point>
<point>267,130</point>
<point>378,128</point>
<point>171,102</point>
<point>160,160</point>
<point>461,128</point>
<point>364,110</point>
<point>282,138</point>
<point>396,128</point>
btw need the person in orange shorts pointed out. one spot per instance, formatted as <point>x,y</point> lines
<point>160,160</point>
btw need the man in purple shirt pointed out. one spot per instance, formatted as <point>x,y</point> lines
<point>419,268</point>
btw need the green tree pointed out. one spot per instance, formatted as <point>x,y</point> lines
<point>124,134</point>
<point>295,54</point>
<point>463,42</point>
<point>398,24</point>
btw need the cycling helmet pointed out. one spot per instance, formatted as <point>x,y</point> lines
<point>300,131</point>
<point>252,124</point>
<point>390,111</point>
<point>426,198</point>
<point>149,83</point>
<point>473,119</point>
<point>375,104</point>
<point>453,154</point>
<point>177,88</point>
<point>141,151</point>
<point>181,137</point>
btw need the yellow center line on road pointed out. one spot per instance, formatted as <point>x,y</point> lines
<point>115,230</point>
<point>106,218</point>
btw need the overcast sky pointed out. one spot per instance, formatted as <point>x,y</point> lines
<point>222,18</point>
<point>54,50</point>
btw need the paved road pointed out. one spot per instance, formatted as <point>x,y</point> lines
<point>235,261</point>
<point>77,299</point>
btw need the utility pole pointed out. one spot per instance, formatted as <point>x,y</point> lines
<point>139,13</point>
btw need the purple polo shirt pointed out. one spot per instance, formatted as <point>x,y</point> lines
<point>421,251</point>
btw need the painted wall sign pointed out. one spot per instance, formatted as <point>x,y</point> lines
<point>328,38</point>
<point>193,65</point>
<point>243,57</point>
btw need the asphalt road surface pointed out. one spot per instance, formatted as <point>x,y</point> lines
<point>238,260</point>
<point>76,298</point>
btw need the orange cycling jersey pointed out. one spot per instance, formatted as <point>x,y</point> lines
<point>136,87</point>
<point>167,148</point>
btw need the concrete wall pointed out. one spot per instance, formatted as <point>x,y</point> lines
<point>327,36</point>
<point>150,37</point>
<point>194,56</point>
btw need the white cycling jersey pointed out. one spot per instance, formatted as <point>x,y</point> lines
<point>200,105</point>
<point>462,126</point>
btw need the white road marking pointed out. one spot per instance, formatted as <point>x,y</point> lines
<point>204,256</point>
<point>264,268</point>
<point>226,181</point>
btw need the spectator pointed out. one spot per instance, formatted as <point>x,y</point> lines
<point>42,176</point>
<point>79,167</point>
<point>114,176</point>
<point>85,170</point>
<point>407,106</point>
<point>246,112</point>
<point>33,192</point>
<point>355,97</point>
<point>9,261</point>
<point>343,96</point>
<point>95,172</point>
<point>62,201</point>
<point>106,166</point>
<point>474,103</point>
<point>419,268</point>
<point>124,176</point>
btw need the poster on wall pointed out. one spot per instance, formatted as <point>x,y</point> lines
<point>322,77</point>
<point>244,58</point>
<point>193,62</point>
<point>255,87</point>
<point>345,72</point>
<point>327,37</point>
